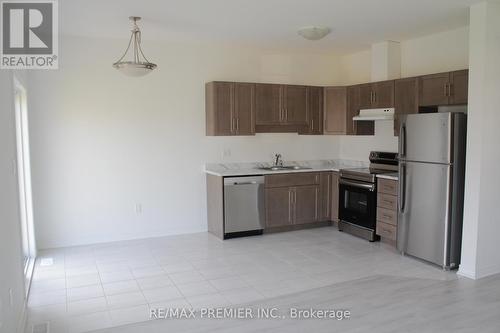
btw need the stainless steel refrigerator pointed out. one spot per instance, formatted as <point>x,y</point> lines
<point>431,187</point>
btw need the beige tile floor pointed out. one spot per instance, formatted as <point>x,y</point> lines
<point>106,285</point>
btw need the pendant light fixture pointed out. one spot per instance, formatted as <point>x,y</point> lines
<point>139,65</point>
<point>314,32</point>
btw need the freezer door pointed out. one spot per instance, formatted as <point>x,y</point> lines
<point>423,224</point>
<point>426,137</point>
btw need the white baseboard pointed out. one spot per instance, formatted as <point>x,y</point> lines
<point>467,274</point>
<point>480,272</point>
<point>21,326</point>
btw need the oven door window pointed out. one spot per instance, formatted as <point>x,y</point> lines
<point>356,202</point>
<point>357,205</point>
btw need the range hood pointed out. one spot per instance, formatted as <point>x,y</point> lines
<point>375,114</point>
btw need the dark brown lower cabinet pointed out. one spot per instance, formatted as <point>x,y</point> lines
<point>278,206</point>
<point>329,196</point>
<point>292,199</point>
<point>305,204</point>
<point>334,200</point>
<point>325,185</point>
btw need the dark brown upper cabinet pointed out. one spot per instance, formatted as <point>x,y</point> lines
<point>268,104</point>
<point>433,89</point>
<point>295,106</point>
<point>281,108</point>
<point>355,101</point>
<point>315,112</point>
<point>444,88</point>
<point>335,110</point>
<point>376,95</point>
<point>405,99</point>
<point>230,108</point>
<point>383,94</point>
<point>459,87</point>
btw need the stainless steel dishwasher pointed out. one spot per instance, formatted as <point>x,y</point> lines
<point>244,212</point>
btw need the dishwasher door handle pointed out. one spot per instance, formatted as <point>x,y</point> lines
<point>244,183</point>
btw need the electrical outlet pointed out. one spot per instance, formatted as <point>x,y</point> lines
<point>226,153</point>
<point>138,208</point>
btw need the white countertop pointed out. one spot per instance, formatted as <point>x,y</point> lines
<point>252,169</point>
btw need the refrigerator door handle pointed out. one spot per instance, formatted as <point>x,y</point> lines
<point>402,140</point>
<point>402,187</point>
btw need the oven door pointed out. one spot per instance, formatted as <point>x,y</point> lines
<point>358,203</point>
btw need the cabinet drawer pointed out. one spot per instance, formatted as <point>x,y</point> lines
<point>388,186</point>
<point>387,216</point>
<point>387,201</point>
<point>292,179</point>
<point>386,230</point>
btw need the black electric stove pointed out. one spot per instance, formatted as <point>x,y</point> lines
<point>358,195</point>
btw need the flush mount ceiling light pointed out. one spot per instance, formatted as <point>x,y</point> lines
<point>314,32</point>
<point>139,65</point>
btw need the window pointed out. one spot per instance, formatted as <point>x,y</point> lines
<point>24,176</point>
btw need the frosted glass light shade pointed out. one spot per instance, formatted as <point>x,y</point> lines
<point>130,68</point>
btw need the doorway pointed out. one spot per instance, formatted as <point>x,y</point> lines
<point>24,178</point>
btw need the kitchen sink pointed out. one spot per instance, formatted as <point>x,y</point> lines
<point>283,167</point>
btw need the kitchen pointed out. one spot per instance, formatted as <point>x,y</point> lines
<point>364,201</point>
<point>276,156</point>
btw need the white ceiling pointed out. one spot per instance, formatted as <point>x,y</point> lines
<point>269,23</point>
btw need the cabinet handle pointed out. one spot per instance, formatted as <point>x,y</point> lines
<point>449,89</point>
<point>446,89</point>
<point>232,125</point>
<point>237,124</point>
<point>312,125</point>
<point>374,97</point>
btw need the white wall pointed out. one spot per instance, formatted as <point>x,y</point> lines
<point>481,219</point>
<point>445,51</point>
<point>103,142</point>
<point>11,270</point>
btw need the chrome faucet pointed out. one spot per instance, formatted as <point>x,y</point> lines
<point>277,160</point>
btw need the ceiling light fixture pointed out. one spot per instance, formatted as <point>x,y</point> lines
<point>140,65</point>
<point>314,32</point>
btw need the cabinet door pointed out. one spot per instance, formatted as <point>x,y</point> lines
<point>325,184</point>
<point>383,94</point>
<point>278,206</point>
<point>335,113</point>
<point>335,197</point>
<point>306,204</point>
<point>365,96</point>
<point>244,108</point>
<point>353,107</point>
<point>405,99</point>
<point>219,108</point>
<point>315,100</point>
<point>295,103</point>
<point>458,91</point>
<point>433,89</point>
<point>267,104</point>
